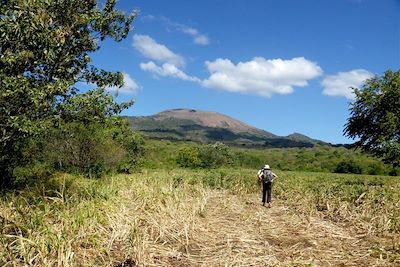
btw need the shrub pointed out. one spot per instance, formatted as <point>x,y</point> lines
<point>133,144</point>
<point>91,149</point>
<point>216,155</point>
<point>348,167</point>
<point>375,169</point>
<point>205,156</point>
<point>84,148</point>
<point>188,157</point>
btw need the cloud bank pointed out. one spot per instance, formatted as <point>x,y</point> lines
<point>341,84</point>
<point>149,48</point>
<point>261,76</point>
<point>168,60</point>
<point>167,70</point>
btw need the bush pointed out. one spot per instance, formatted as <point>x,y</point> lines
<point>28,174</point>
<point>161,153</point>
<point>189,157</point>
<point>394,172</point>
<point>375,169</point>
<point>205,156</point>
<point>91,149</point>
<point>83,148</point>
<point>348,167</point>
<point>216,155</point>
<point>133,144</point>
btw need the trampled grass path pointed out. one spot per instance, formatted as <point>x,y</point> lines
<point>238,231</point>
<point>170,219</point>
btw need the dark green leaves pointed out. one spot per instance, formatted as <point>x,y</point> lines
<point>375,117</point>
<point>45,48</point>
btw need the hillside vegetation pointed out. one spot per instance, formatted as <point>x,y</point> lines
<point>202,218</point>
<point>210,127</point>
<point>317,159</point>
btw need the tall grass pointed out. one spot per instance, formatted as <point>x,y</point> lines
<point>70,220</point>
<point>73,221</point>
<point>369,202</point>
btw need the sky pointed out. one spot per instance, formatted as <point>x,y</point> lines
<point>284,66</point>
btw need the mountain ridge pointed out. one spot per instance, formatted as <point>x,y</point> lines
<point>183,124</point>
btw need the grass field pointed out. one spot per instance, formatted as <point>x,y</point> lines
<point>202,218</point>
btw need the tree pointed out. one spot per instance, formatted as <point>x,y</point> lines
<point>188,157</point>
<point>215,155</point>
<point>45,48</point>
<point>375,117</point>
<point>348,166</point>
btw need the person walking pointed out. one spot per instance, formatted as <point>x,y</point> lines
<point>266,177</point>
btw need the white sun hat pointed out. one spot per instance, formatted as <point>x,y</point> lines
<point>267,167</point>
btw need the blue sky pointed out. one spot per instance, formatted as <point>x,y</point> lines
<point>282,66</point>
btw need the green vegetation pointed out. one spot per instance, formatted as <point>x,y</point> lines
<point>210,127</point>
<point>204,156</point>
<point>45,49</point>
<point>375,117</point>
<point>92,149</point>
<point>166,154</point>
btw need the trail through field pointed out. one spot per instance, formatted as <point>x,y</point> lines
<point>238,231</point>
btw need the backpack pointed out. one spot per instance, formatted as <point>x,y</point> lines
<point>267,176</point>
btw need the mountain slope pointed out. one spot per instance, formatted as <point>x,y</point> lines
<point>210,119</point>
<point>209,127</point>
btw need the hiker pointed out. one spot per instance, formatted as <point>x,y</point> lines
<point>266,177</point>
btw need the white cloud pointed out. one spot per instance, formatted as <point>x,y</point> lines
<point>201,39</point>
<point>129,87</point>
<point>149,48</point>
<point>169,60</point>
<point>148,17</point>
<point>188,30</point>
<point>198,38</point>
<point>341,84</point>
<point>167,70</point>
<point>261,76</point>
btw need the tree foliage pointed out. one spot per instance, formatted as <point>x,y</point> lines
<point>205,156</point>
<point>167,154</point>
<point>375,117</point>
<point>348,166</point>
<point>45,48</point>
<point>89,149</point>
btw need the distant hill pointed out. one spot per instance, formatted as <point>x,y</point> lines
<point>210,127</point>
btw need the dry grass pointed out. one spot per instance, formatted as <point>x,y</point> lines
<point>169,218</point>
<point>238,231</point>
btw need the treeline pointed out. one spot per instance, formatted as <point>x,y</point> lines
<point>96,149</point>
<point>89,149</point>
<point>167,154</point>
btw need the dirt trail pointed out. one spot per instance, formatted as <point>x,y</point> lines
<point>239,231</point>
